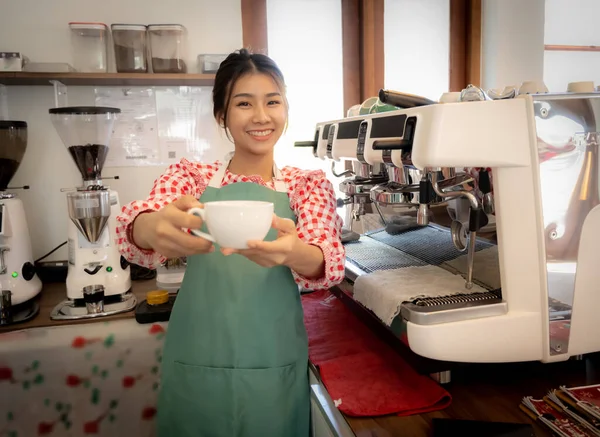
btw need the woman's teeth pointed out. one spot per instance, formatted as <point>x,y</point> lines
<point>260,133</point>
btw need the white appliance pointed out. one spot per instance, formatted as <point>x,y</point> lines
<point>98,278</point>
<point>19,283</point>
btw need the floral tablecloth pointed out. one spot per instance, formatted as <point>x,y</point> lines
<point>80,380</point>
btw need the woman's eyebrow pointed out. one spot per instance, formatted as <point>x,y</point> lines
<point>248,95</point>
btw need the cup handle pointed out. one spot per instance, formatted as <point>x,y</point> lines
<point>199,212</point>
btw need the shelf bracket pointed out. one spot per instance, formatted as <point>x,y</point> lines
<point>3,103</point>
<point>60,94</point>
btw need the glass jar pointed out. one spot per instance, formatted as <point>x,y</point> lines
<point>89,46</point>
<point>168,48</point>
<point>130,48</point>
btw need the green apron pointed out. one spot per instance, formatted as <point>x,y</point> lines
<point>235,361</point>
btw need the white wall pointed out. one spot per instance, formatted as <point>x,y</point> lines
<point>39,30</point>
<point>573,22</point>
<point>512,42</point>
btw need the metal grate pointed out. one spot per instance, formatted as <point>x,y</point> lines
<point>428,244</point>
<point>370,255</point>
<point>463,298</point>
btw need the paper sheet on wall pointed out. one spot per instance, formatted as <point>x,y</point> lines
<point>134,140</point>
<point>186,126</point>
<point>162,125</point>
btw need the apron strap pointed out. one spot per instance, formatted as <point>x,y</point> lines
<point>217,179</point>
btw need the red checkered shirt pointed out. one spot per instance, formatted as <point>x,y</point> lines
<point>311,198</point>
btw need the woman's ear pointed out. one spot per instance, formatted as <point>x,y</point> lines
<point>221,120</point>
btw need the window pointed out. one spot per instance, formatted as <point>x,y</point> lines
<point>569,32</point>
<point>417,46</point>
<point>310,57</point>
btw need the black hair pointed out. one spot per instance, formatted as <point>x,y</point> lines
<point>236,65</point>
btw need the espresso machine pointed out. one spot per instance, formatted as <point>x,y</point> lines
<point>543,151</point>
<point>19,283</point>
<point>98,277</point>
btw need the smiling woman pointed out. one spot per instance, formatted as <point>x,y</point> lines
<point>236,353</point>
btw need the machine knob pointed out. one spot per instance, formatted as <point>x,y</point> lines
<point>124,263</point>
<point>28,271</point>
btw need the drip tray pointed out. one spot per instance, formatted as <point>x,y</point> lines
<point>433,311</point>
<point>70,310</point>
<point>420,247</point>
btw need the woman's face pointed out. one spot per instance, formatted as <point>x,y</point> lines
<point>257,113</point>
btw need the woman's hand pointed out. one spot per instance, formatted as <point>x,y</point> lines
<point>162,231</point>
<point>288,250</point>
<point>271,253</point>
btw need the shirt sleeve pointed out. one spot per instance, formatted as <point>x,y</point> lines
<point>183,178</point>
<point>313,200</point>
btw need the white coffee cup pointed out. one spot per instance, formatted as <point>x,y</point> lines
<point>232,223</point>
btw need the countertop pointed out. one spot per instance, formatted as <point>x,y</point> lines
<point>479,392</point>
<point>52,294</point>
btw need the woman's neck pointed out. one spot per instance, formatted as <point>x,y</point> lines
<point>250,165</point>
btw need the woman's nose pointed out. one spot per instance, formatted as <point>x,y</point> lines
<point>260,115</point>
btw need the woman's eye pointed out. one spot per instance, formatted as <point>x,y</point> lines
<point>274,102</point>
<point>244,104</point>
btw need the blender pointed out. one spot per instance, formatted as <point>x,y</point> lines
<point>19,283</point>
<point>98,277</point>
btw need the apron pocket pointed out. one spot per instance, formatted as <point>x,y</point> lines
<point>199,401</point>
<point>271,402</point>
<point>225,402</point>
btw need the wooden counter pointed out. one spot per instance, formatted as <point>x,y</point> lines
<point>54,293</point>
<point>479,392</point>
<point>487,392</point>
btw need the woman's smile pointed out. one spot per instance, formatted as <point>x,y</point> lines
<point>261,135</point>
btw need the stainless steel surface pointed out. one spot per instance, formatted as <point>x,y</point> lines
<point>93,296</point>
<point>11,315</point>
<point>335,420</point>
<point>89,210</point>
<point>454,187</point>
<point>470,259</point>
<point>395,194</point>
<point>447,313</point>
<point>361,170</point>
<point>459,235</point>
<point>567,138</point>
<point>5,307</point>
<point>423,214</point>
<point>451,188</point>
<point>69,310</point>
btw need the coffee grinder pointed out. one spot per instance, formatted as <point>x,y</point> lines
<point>19,283</point>
<point>98,277</point>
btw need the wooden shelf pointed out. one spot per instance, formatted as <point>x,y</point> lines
<point>107,79</point>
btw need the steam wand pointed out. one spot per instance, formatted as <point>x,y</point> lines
<point>477,220</point>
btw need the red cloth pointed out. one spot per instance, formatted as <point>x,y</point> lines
<point>359,369</point>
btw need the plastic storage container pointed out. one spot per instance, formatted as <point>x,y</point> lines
<point>210,63</point>
<point>89,46</point>
<point>130,48</point>
<point>168,47</point>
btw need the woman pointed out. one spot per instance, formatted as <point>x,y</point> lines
<point>236,353</point>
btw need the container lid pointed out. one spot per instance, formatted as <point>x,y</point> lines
<point>10,55</point>
<point>128,27</point>
<point>166,27</point>
<point>10,124</point>
<point>157,297</point>
<point>84,110</point>
<point>87,25</point>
